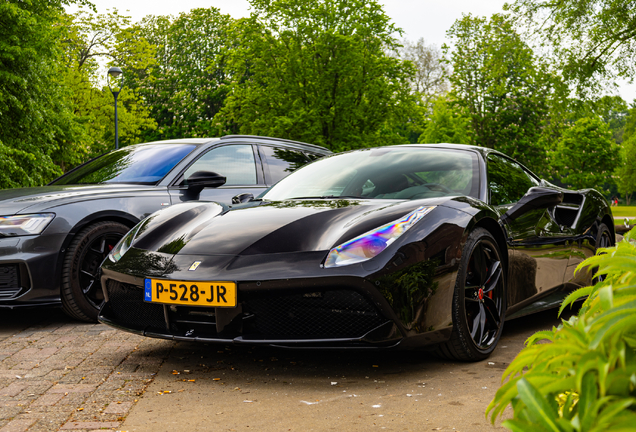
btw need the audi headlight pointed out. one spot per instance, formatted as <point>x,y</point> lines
<point>22,225</point>
<point>125,243</point>
<point>373,242</point>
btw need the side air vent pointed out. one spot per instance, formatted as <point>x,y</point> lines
<point>567,213</point>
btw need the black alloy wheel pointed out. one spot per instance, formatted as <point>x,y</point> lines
<point>479,301</point>
<point>603,240</point>
<point>82,294</point>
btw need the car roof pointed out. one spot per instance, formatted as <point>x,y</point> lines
<point>271,140</point>
<point>483,150</point>
<point>255,138</point>
<point>197,141</point>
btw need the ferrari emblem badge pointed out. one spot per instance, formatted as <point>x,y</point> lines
<point>194,266</point>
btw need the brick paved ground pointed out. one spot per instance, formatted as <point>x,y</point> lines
<point>57,374</point>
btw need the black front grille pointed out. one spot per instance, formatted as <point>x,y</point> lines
<point>9,280</point>
<point>128,307</point>
<point>325,314</point>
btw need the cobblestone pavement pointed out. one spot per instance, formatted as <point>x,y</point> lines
<point>58,374</point>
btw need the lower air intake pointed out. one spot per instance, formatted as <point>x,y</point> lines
<point>9,280</point>
<point>128,306</point>
<point>326,314</point>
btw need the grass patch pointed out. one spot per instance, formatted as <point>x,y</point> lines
<point>624,211</point>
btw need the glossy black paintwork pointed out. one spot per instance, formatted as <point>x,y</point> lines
<point>76,206</point>
<point>268,247</point>
<point>301,269</point>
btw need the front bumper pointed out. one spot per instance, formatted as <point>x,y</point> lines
<point>28,271</point>
<point>312,313</point>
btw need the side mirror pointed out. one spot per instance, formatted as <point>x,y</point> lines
<point>536,198</point>
<point>242,198</point>
<point>202,179</point>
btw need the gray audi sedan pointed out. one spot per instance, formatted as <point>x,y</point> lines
<point>53,238</point>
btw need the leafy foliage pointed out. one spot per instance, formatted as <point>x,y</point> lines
<point>613,110</point>
<point>430,80</point>
<point>585,379</point>
<point>187,84</point>
<point>626,171</point>
<point>34,114</point>
<point>90,40</point>
<point>591,39</point>
<point>586,154</point>
<point>446,124</point>
<point>501,86</point>
<point>318,71</point>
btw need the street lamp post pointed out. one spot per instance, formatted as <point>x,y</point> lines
<point>115,72</point>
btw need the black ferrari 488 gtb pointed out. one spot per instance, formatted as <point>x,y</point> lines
<point>398,246</point>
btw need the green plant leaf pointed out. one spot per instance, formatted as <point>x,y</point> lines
<point>608,414</point>
<point>606,296</point>
<point>523,426</point>
<point>587,398</point>
<point>539,408</point>
<point>620,321</point>
<point>539,336</point>
<point>574,296</point>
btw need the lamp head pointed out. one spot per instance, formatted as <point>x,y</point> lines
<point>114,71</point>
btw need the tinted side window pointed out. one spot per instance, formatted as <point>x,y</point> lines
<point>236,162</point>
<point>143,164</point>
<point>282,161</point>
<point>507,180</point>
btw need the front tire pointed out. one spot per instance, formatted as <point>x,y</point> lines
<point>479,300</point>
<point>81,292</point>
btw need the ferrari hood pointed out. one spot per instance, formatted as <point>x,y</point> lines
<point>268,227</point>
<point>37,199</point>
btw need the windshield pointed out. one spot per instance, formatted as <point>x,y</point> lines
<point>384,173</point>
<point>143,164</point>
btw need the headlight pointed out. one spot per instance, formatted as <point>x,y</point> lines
<point>22,225</point>
<point>371,243</point>
<point>125,243</point>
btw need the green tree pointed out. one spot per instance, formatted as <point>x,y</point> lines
<point>593,40</point>
<point>586,154</point>
<point>35,116</point>
<point>188,84</point>
<point>626,171</point>
<point>613,110</point>
<point>502,87</point>
<point>429,82</point>
<point>318,71</point>
<point>90,41</point>
<point>431,74</point>
<point>446,124</point>
<point>630,123</point>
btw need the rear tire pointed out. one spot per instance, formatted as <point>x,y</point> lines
<point>479,300</point>
<point>603,240</point>
<point>81,293</point>
<point>603,237</point>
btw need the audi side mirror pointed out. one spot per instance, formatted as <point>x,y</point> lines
<point>202,179</point>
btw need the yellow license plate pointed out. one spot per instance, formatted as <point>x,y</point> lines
<point>192,293</point>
